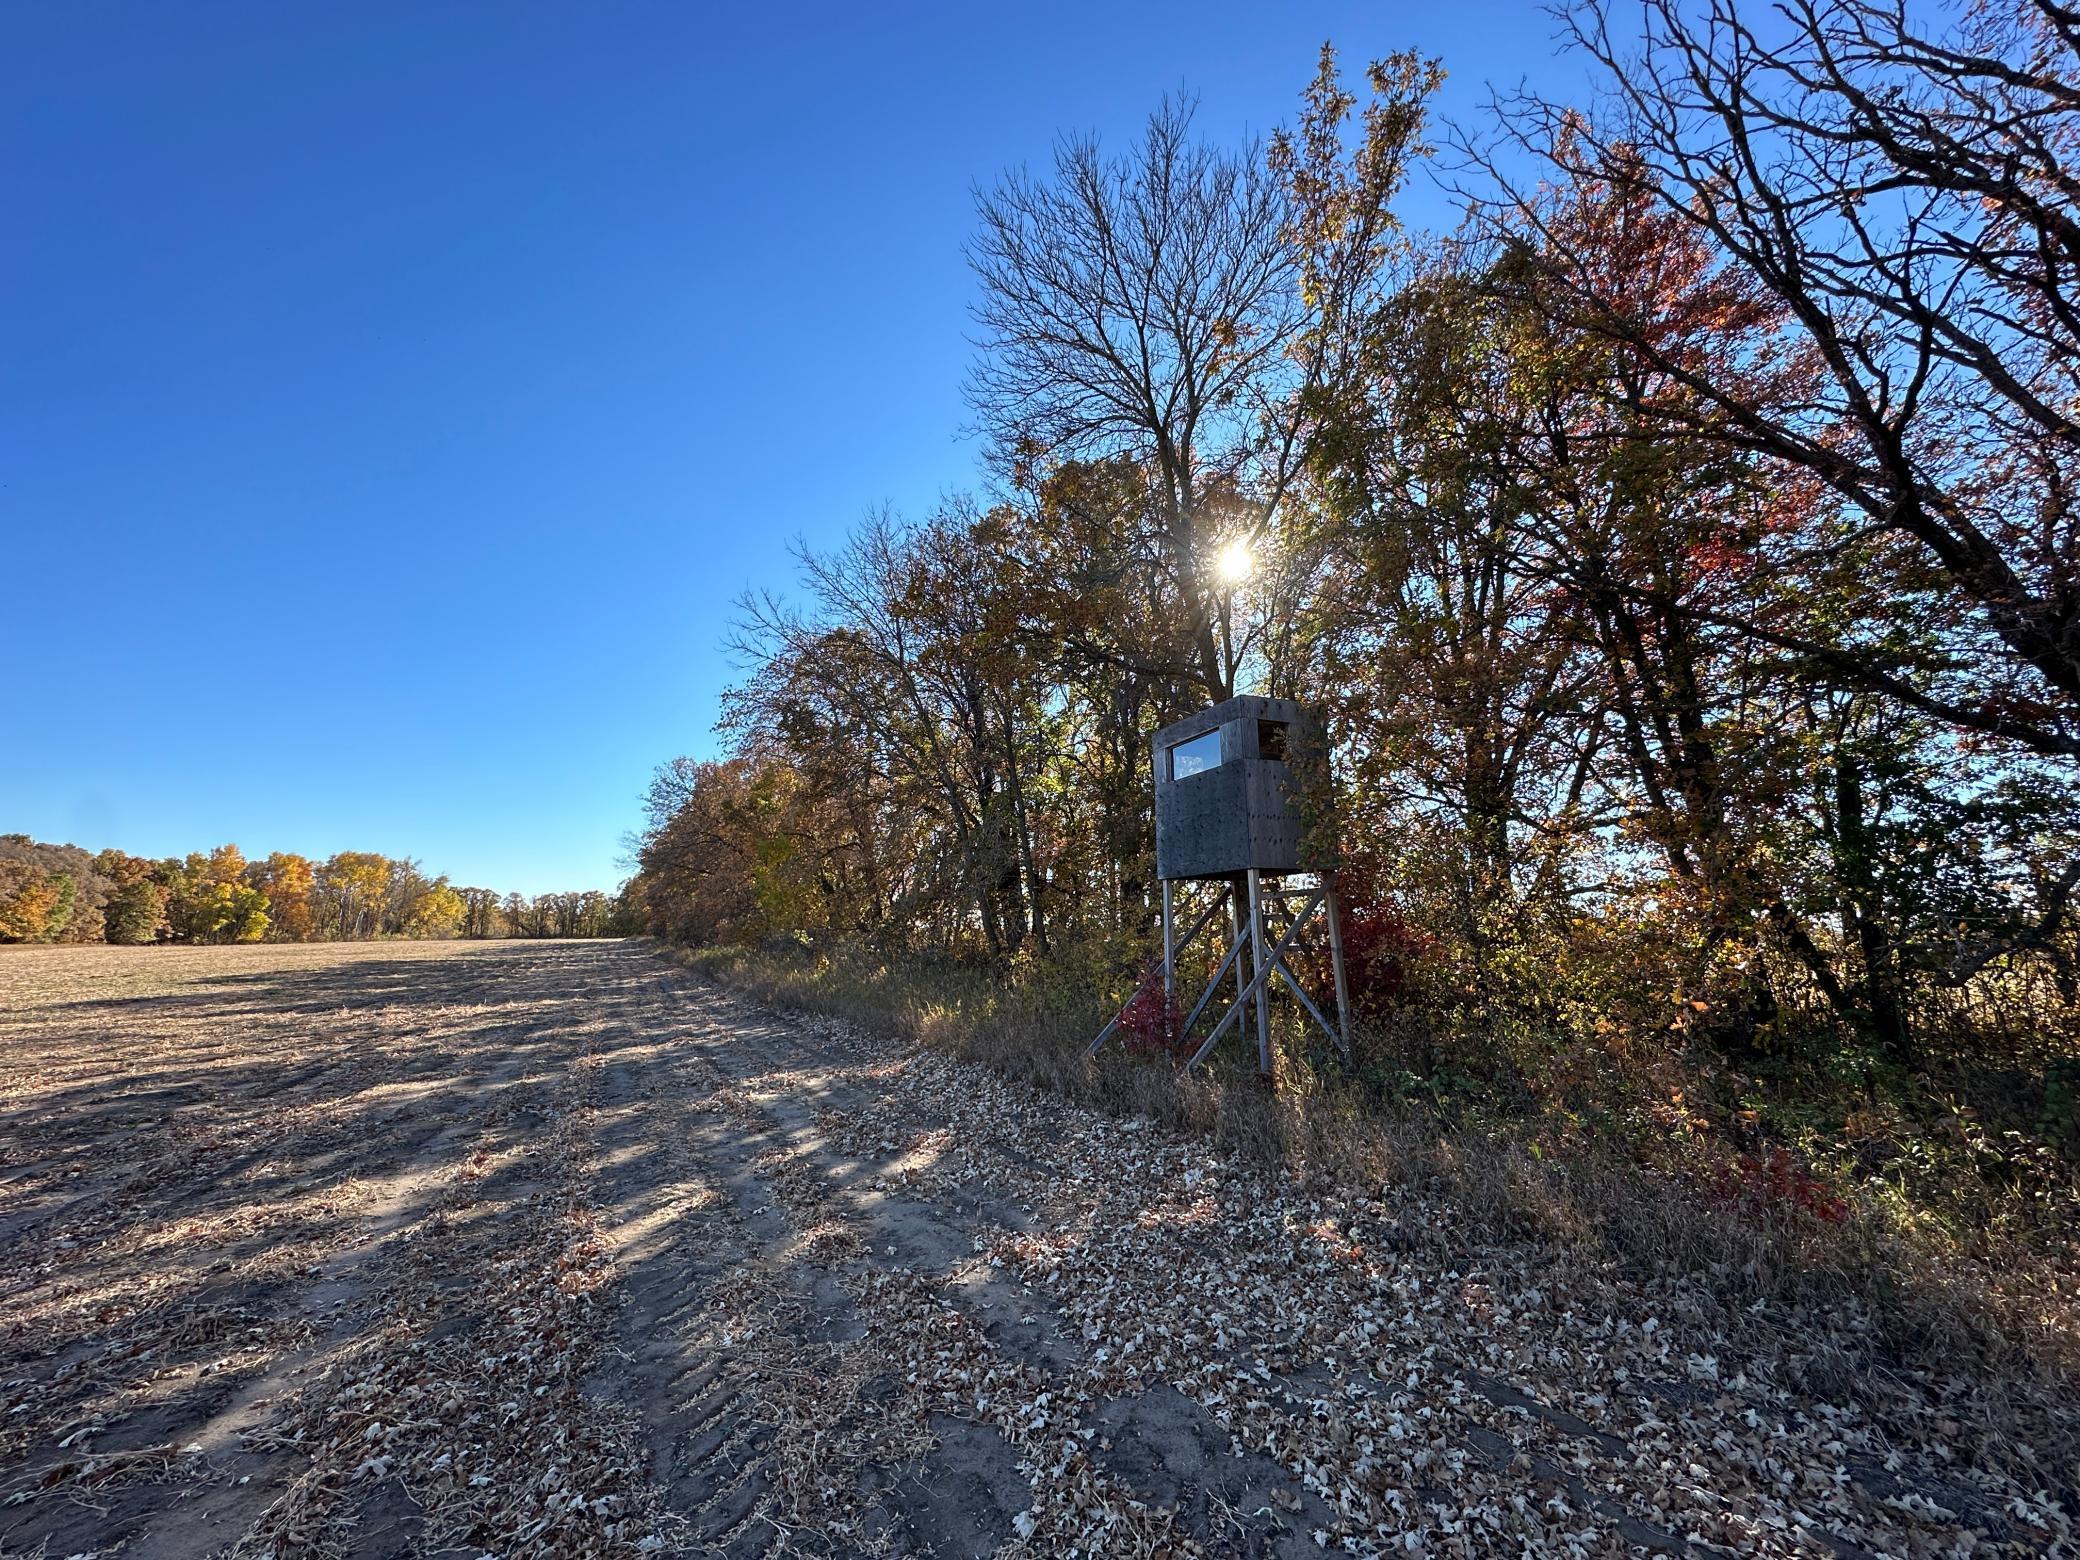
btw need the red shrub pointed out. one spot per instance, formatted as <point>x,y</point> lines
<point>1149,1024</point>
<point>1772,1186</point>
<point>1381,946</point>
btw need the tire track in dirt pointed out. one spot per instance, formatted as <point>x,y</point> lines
<point>455,1417</point>
<point>677,1238</point>
<point>179,1299</point>
<point>345,1286</point>
<point>999,1402</point>
<point>821,1092</point>
<point>728,1315</point>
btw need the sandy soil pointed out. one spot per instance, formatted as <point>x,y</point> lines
<point>541,1248</point>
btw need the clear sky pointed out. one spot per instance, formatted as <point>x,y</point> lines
<point>393,399</point>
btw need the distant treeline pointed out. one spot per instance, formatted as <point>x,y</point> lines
<point>63,894</point>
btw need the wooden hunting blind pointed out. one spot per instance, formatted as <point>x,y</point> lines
<point>1226,797</point>
<point>1229,810</point>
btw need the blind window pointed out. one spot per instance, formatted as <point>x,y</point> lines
<point>1195,756</point>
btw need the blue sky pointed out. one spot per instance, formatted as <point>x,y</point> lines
<point>393,399</point>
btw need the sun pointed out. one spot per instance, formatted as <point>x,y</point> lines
<point>1235,564</point>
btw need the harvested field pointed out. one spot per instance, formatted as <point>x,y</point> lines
<point>546,1248</point>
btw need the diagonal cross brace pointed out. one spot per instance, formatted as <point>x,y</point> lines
<point>1183,942</point>
<point>1339,1035</point>
<point>1293,985</point>
<point>1275,962</point>
<point>1219,975</point>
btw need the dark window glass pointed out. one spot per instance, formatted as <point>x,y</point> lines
<point>1271,739</point>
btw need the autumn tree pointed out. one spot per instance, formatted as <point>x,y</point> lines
<point>1154,308</point>
<point>226,911</point>
<point>60,893</point>
<point>1869,321</point>
<point>137,912</point>
<point>350,889</point>
<point>1901,195</point>
<point>518,914</point>
<point>195,907</point>
<point>49,893</point>
<point>1450,658</point>
<point>33,903</point>
<point>481,916</point>
<point>289,883</point>
<point>437,911</point>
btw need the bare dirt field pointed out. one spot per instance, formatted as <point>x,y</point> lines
<point>544,1248</point>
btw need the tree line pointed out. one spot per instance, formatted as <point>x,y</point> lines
<point>63,894</point>
<point>1683,549</point>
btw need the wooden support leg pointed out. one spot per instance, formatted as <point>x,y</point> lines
<point>1257,964</point>
<point>1343,990</point>
<point>1235,929</point>
<point>1169,952</point>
